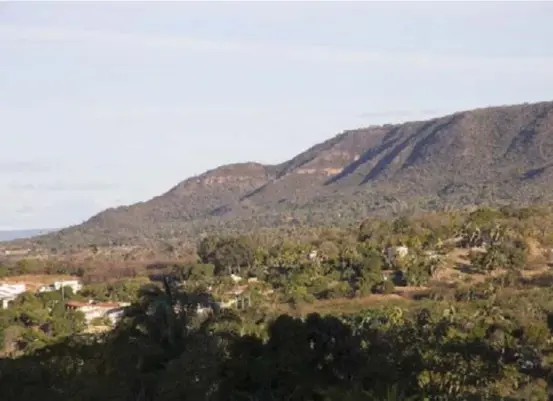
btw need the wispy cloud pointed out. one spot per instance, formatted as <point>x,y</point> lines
<point>25,210</point>
<point>64,187</point>
<point>130,111</point>
<point>290,51</point>
<point>27,166</point>
<point>47,166</point>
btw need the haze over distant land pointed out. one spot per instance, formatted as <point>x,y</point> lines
<point>112,103</point>
<point>8,235</point>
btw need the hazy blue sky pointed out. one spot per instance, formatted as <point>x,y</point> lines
<point>103,104</point>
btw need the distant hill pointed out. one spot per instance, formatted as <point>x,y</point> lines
<point>492,155</point>
<point>8,235</point>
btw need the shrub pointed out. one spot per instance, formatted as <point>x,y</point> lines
<point>384,287</point>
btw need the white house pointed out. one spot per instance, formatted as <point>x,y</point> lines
<point>8,293</point>
<point>16,252</point>
<point>395,253</point>
<point>114,315</point>
<point>312,255</point>
<point>114,311</point>
<point>45,288</point>
<point>75,285</point>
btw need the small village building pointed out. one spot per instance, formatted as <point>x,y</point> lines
<point>115,315</point>
<point>114,311</point>
<point>9,292</point>
<point>17,252</point>
<point>231,298</point>
<point>75,285</point>
<point>312,255</point>
<point>396,253</point>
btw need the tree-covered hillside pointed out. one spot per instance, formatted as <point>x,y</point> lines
<point>494,156</point>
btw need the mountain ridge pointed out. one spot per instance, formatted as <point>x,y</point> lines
<point>491,155</point>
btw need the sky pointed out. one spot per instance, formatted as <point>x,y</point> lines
<point>110,103</point>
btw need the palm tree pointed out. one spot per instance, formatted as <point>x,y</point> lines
<point>155,332</point>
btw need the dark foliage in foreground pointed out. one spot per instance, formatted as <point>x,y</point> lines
<point>162,355</point>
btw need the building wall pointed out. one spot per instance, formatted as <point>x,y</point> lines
<point>8,292</point>
<point>13,288</point>
<point>5,302</point>
<point>92,312</point>
<point>74,284</point>
<point>397,252</point>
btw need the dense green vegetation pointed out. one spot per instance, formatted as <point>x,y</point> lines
<point>474,322</point>
<point>36,320</point>
<point>490,348</point>
<point>335,263</point>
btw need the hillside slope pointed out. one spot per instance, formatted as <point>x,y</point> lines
<point>491,155</point>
